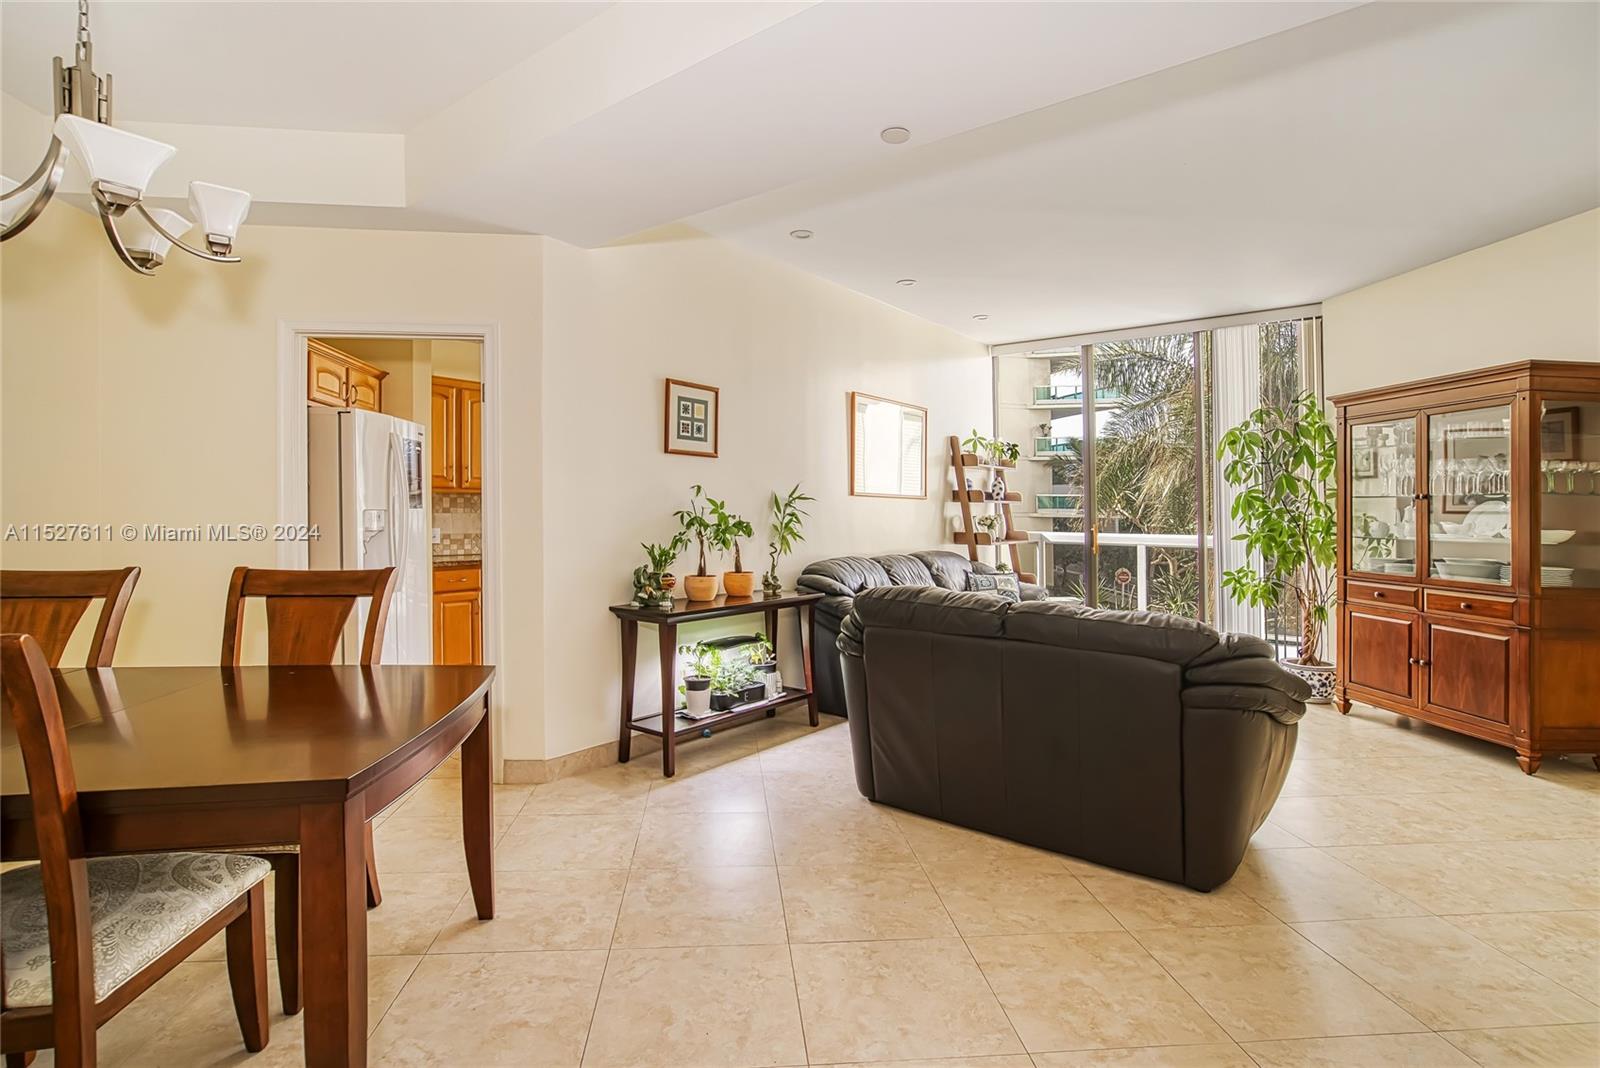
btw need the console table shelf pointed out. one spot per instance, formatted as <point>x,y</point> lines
<point>667,621</point>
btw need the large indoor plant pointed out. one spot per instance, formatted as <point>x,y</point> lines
<point>1282,461</point>
<point>695,524</point>
<point>786,520</point>
<point>726,530</point>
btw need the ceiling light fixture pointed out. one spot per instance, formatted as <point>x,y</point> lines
<point>800,235</point>
<point>980,318</point>
<point>895,135</point>
<point>119,166</point>
<point>906,282</point>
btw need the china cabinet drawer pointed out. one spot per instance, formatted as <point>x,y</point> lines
<point>1502,609</point>
<point>1381,593</point>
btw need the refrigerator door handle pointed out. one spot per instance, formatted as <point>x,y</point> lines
<point>397,534</point>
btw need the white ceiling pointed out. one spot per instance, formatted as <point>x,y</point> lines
<point>1282,172</point>
<point>373,67</point>
<point>1072,167</point>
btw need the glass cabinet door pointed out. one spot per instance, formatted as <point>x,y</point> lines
<point>1469,495</point>
<point>1569,494</point>
<point>1383,484</point>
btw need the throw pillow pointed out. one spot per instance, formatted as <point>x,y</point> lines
<point>1002,585</point>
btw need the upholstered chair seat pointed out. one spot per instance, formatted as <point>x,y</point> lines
<point>140,907</point>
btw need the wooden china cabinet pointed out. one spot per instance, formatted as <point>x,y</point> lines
<point>1469,554</point>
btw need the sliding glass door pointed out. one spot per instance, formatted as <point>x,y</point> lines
<point>1120,433</point>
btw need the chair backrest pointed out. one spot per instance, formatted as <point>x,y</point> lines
<point>48,605</point>
<point>35,710</point>
<point>306,612</point>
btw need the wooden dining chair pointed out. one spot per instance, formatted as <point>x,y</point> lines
<point>81,938</point>
<point>49,604</point>
<point>306,616</point>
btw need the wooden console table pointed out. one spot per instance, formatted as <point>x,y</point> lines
<point>667,621</point>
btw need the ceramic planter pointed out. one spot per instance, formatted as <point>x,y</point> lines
<point>1320,677</point>
<point>697,695</point>
<point>738,583</point>
<point>700,587</point>
<point>771,679</point>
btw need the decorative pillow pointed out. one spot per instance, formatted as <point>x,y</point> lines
<point>1001,584</point>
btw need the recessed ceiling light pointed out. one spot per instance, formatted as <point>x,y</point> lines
<point>980,318</point>
<point>906,282</point>
<point>895,135</point>
<point>800,235</point>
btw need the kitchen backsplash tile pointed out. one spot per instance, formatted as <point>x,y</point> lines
<point>459,518</point>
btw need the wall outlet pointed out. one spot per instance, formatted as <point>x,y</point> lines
<point>436,538</point>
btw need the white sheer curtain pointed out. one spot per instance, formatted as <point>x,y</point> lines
<point>1236,362</point>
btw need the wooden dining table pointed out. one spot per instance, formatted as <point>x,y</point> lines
<point>194,758</point>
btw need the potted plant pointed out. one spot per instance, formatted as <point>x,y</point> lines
<point>976,444</point>
<point>726,530</point>
<point>702,585</point>
<point>989,523</point>
<point>751,685</point>
<point>652,583</point>
<point>786,519</point>
<point>1007,453</point>
<point>1283,461</point>
<point>765,659</point>
<point>702,661</point>
<point>729,677</point>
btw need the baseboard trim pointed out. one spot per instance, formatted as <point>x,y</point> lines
<point>524,772</point>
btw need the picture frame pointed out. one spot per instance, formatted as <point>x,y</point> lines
<point>1363,462</point>
<point>888,447</point>
<point>691,420</point>
<point>1558,434</point>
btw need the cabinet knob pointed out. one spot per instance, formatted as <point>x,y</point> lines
<point>1378,593</point>
<point>1466,606</point>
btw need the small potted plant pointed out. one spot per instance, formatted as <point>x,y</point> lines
<point>702,585</point>
<point>726,530</point>
<point>727,680</point>
<point>702,662</point>
<point>765,660</point>
<point>1002,567</point>
<point>652,583</point>
<point>786,520</point>
<point>1007,453</point>
<point>751,686</point>
<point>977,445</point>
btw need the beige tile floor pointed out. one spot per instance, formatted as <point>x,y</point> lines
<point>1415,900</point>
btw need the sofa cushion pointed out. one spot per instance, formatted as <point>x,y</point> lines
<point>932,609</point>
<point>905,570</point>
<point>1154,635</point>
<point>950,570</point>
<point>844,576</point>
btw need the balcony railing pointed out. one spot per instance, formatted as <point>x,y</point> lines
<point>1070,395</point>
<point>1057,502</point>
<point>1064,446</point>
<point>1173,584</point>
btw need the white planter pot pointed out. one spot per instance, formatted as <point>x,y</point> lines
<point>774,682</point>
<point>1320,678</point>
<point>697,702</point>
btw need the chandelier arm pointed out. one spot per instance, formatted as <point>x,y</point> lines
<point>52,157</point>
<point>191,250</point>
<point>51,169</point>
<point>116,239</point>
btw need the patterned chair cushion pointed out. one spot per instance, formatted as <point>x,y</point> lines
<point>140,906</point>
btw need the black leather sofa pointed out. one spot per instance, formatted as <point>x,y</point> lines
<point>842,577</point>
<point>1137,740</point>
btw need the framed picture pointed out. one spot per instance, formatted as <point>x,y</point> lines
<point>691,419</point>
<point>1558,434</point>
<point>1363,462</point>
<point>888,448</point>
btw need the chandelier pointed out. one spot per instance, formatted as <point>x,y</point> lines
<point>119,166</point>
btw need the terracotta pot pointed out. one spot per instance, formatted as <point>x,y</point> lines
<point>738,583</point>
<point>700,587</point>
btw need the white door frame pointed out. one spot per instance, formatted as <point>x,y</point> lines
<point>293,472</point>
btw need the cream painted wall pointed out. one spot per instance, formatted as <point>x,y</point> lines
<point>1533,296</point>
<point>157,397</point>
<point>156,403</point>
<point>457,359</point>
<point>784,348</point>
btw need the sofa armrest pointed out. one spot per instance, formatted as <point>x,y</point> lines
<point>1244,698</point>
<point>1249,671</point>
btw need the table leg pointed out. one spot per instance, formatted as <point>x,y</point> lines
<point>477,814</point>
<point>669,698</point>
<point>333,918</point>
<point>808,641</point>
<point>630,654</point>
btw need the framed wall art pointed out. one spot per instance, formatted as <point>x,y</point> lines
<point>691,418</point>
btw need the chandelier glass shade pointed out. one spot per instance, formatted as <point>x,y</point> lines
<point>119,167</point>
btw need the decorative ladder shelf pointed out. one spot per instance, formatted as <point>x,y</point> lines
<point>969,535</point>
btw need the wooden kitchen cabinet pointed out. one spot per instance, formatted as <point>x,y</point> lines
<point>340,380</point>
<point>457,417</point>
<point>457,615</point>
<point>1469,554</point>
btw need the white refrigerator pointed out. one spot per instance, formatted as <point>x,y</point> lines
<point>369,503</point>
